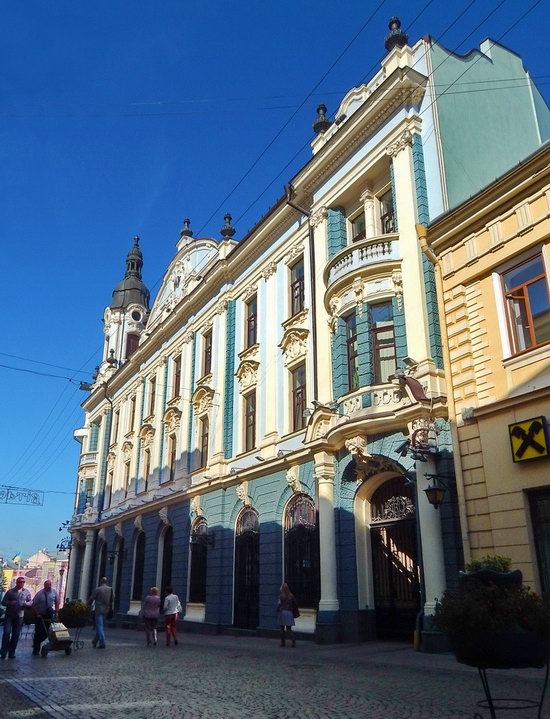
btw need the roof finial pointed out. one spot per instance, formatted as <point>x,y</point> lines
<point>322,123</point>
<point>396,37</point>
<point>186,231</point>
<point>227,230</point>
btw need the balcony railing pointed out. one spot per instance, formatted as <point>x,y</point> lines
<point>362,254</point>
<point>88,458</point>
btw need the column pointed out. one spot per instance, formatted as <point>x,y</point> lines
<point>72,567</point>
<point>367,198</point>
<point>85,574</point>
<point>328,604</point>
<point>429,518</point>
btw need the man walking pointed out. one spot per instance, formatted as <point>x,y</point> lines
<point>103,598</point>
<point>46,605</point>
<point>15,600</point>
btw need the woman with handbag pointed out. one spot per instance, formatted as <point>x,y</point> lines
<point>151,611</point>
<point>172,607</point>
<point>287,610</point>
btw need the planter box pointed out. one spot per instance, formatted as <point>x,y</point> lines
<point>506,650</point>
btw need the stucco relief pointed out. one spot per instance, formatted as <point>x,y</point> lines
<point>187,337</point>
<point>269,270</point>
<point>242,493</point>
<point>318,217</point>
<point>352,405</point>
<point>127,450</point>
<point>294,253</point>
<point>423,433</point>
<point>357,447</point>
<point>293,479</point>
<point>221,307</point>
<point>202,399</point>
<point>163,516</point>
<point>111,457</point>
<point>333,319</point>
<point>138,523</point>
<point>294,345</point>
<point>397,280</point>
<point>403,141</point>
<point>118,529</point>
<point>195,506</point>
<point>247,374</point>
<point>147,435</point>
<point>250,291</point>
<point>172,419</point>
<point>358,287</point>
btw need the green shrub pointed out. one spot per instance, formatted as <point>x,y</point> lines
<point>490,561</point>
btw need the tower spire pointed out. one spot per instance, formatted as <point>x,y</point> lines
<point>132,289</point>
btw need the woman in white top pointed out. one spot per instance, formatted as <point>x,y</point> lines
<point>171,609</point>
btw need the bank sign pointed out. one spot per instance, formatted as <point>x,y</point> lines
<point>529,439</point>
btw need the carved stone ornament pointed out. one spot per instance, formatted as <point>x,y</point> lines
<point>196,506</point>
<point>395,508</point>
<point>318,217</point>
<point>101,533</point>
<point>207,325</point>
<point>127,450</point>
<point>322,429</point>
<point>423,434</point>
<point>247,374</point>
<point>188,337</point>
<point>397,280</point>
<point>111,457</point>
<point>172,419</point>
<point>147,435</point>
<point>294,253</point>
<point>221,307</point>
<point>202,400</point>
<point>118,529</point>
<point>294,345</point>
<point>88,512</point>
<point>242,493</point>
<point>297,320</point>
<point>358,287</point>
<point>293,479</point>
<point>269,270</point>
<point>250,291</point>
<point>357,447</point>
<point>333,319</point>
<point>401,143</point>
<point>138,523</point>
<point>163,516</point>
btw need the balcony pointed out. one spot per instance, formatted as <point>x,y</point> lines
<point>363,253</point>
<point>87,459</point>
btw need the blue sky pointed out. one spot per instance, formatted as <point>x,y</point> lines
<point>122,118</point>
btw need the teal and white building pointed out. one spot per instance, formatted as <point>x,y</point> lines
<point>280,409</point>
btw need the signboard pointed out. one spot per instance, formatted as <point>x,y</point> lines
<point>21,495</point>
<point>529,439</point>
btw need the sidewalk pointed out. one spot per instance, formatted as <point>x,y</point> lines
<point>227,677</point>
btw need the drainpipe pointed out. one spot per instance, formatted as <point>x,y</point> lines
<point>289,192</point>
<point>422,234</point>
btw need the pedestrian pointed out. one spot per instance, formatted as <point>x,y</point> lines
<point>150,613</point>
<point>15,600</point>
<point>46,606</point>
<point>103,599</point>
<point>171,609</point>
<point>287,610</point>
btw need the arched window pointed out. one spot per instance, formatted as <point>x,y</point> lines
<point>247,570</point>
<point>302,550</point>
<point>198,559</point>
<point>139,562</point>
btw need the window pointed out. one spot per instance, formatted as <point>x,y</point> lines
<point>171,457</point>
<point>176,377</point>
<point>152,394</point>
<point>351,346</point>
<point>197,572</point>
<point>146,467</point>
<point>108,490</point>
<point>207,353</point>
<point>252,321</point>
<point>527,304</point>
<point>358,228</point>
<point>116,420</point>
<point>132,342</point>
<point>89,491</point>
<point>126,477</point>
<point>204,433</point>
<point>250,421</point>
<point>387,216</point>
<point>297,287</point>
<point>298,397</point>
<point>93,437</point>
<point>383,341</point>
<point>132,414</point>
<point>302,550</point>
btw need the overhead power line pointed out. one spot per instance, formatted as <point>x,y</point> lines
<point>46,364</point>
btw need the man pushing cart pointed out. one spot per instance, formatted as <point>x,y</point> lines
<point>46,606</point>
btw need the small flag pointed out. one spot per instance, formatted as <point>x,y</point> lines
<point>17,559</point>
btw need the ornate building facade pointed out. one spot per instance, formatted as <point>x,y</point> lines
<point>284,405</point>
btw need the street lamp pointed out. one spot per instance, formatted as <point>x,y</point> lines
<point>436,493</point>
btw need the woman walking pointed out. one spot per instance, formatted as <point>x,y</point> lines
<point>171,609</point>
<point>151,611</point>
<point>287,609</point>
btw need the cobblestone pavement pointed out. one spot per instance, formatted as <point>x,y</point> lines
<point>222,677</point>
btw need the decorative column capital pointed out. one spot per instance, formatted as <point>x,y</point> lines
<point>318,217</point>
<point>90,536</point>
<point>403,141</point>
<point>324,469</point>
<point>367,195</point>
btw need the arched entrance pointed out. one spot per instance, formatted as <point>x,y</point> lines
<point>247,570</point>
<point>167,551</point>
<point>396,580</point>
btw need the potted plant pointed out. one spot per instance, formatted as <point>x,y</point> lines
<point>493,620</point>
<point>74,614</point>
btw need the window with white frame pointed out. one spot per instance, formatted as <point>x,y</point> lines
<point>527,303</point>
<point>250,421</point>
<point>297,294</point>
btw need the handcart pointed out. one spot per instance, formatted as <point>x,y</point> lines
<point>58,639</point>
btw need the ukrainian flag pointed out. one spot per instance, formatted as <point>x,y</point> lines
<point>17,559</point>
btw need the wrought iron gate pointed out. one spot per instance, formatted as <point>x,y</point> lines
<point>395,560</point>
<point>247,570</point>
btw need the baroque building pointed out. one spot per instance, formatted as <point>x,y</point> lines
<point>283,406</point>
